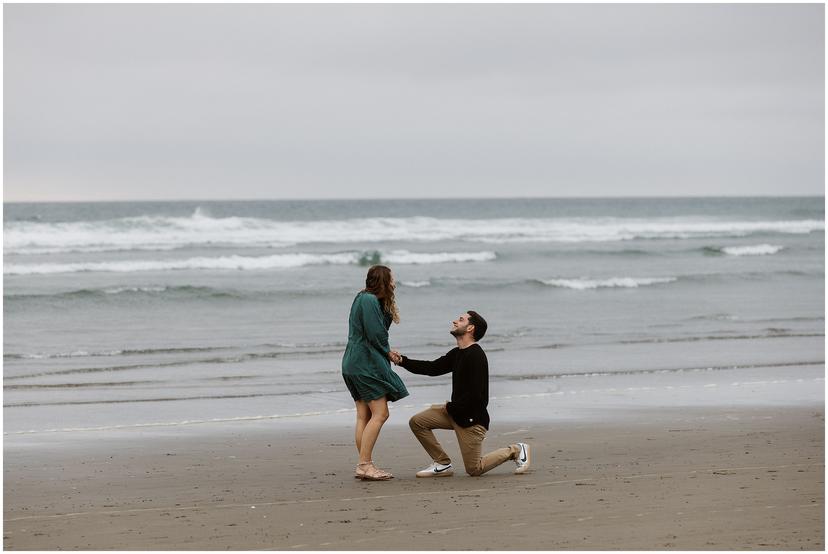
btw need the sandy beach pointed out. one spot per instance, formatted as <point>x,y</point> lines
<point>694,479</point>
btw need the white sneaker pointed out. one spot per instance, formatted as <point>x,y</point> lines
<point>523,458</point>
<point>437,470</point>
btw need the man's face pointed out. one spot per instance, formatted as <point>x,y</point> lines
<point>460,326</point>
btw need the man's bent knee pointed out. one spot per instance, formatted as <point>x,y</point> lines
<point>414,423</point>
<point>474,471</point>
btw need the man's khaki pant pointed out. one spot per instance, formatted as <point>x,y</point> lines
<point>469,438</point>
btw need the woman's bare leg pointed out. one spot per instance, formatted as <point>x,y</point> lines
<point>370,433</point>
<point>363,415</point>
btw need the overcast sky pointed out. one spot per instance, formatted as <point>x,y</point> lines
<point>206,101</point>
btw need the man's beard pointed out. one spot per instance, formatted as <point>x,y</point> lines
<point>458,332</point>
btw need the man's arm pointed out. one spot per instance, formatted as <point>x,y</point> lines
<point>440,366</point>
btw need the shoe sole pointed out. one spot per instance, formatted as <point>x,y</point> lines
<point>431,475</point>
<point>525,468</point>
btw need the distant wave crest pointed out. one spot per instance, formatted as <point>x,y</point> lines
<point>277,261</point>
<point>108,353</point>
<point>612,282</point>
<point>754,250</point>
<point>758,250</point>
<point>415,284</point>
<point>113,292</point>
<point>201,230</point>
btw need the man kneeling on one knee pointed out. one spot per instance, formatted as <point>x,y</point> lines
<point>466,414</point>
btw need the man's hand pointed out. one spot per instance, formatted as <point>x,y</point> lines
<point>395,357</point>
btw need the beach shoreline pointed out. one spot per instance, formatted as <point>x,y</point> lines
<point>703,478</point>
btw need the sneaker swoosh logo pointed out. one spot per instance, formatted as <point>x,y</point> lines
<point>441,470</point>
<point>523,454</point>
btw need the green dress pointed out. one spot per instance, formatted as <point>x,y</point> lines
<point>365,366</point>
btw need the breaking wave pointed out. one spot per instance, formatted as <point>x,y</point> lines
<point>276,261</point>
<point>612,282</point>
<point>201,230</point>
<point>108,353</point>
<point>415,284</point>
<point>758,250</point>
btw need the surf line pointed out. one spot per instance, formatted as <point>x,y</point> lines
<point>239,419</point>
<point>527,486</point>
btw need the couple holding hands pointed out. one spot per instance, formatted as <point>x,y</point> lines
<point>367,372</point>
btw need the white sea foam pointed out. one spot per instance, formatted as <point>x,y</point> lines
<point>119,290</point>
<point>167,233</point>
<point>277,261</point>
<point>612,282</point>
<point>415,284</point>
<point>73,354</point>
<point>404,257</point>
<point>36,250</point>
<point>758,250</point>
<point>223,262</point>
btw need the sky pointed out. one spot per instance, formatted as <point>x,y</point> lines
<point>254,101</point>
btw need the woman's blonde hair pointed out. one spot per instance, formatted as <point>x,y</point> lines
<point>378,283</point>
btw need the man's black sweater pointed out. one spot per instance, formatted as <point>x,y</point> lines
<point>469,382</point>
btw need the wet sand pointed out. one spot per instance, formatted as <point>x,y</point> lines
<point>694,479</point>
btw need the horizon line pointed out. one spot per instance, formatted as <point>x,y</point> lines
<point>343,199</point>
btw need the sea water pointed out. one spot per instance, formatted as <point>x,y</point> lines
<point>133,315</point>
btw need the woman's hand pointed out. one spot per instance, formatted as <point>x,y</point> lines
<point>395,357</point>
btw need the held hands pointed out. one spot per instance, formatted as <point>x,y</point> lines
<point>395,357</point>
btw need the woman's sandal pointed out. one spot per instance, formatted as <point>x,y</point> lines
<point>359,473</point>
<point>373,473</point>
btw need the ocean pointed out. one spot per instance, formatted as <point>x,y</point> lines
<point>141,315</point>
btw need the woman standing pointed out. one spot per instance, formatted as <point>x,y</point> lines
<point>366,368</point>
